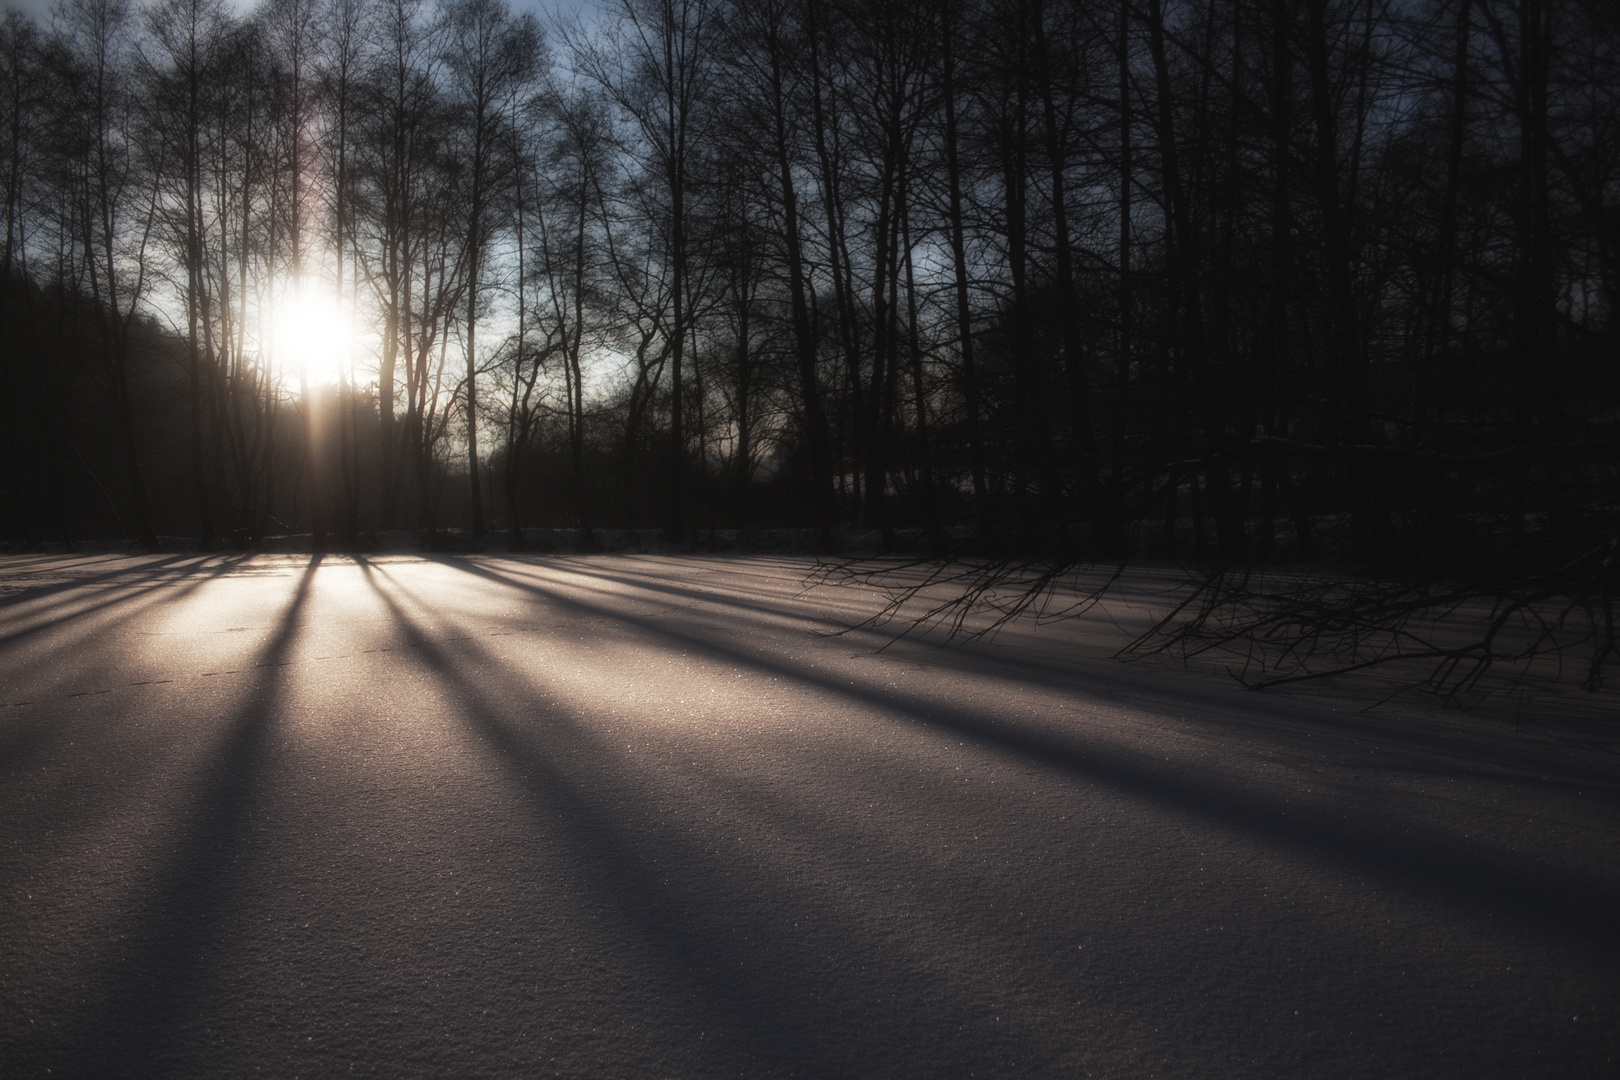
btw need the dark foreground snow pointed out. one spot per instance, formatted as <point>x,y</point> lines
<point>632,817</point>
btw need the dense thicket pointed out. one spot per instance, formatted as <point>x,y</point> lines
<point>1248,278</point>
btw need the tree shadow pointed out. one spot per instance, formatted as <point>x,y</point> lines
<point>1271,716</point>
<point>1268,716</point>
<point>55,617</point>
<point>706,927</point>
<point>163,959</point>
<point>1471,875</point>
<point>27,729</point>
<point>148,569</point>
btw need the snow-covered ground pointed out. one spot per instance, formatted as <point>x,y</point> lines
<point>646,816</point>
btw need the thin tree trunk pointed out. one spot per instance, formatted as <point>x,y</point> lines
<point>964,312</point>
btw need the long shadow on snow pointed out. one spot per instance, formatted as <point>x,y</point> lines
<point>786,1019</point>
<point>29,729</point>
<point>151,569</point>
<point>50,618</point>
<point>1468,874</point>
<point>1422,745</point>
<point>1272,717</point>
<point>752,607</point>
<point>165,972</point>
<point>145,573</point>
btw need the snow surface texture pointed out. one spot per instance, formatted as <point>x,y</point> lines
<point>628,817</point>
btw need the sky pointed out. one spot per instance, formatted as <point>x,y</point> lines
<point>41,9</point>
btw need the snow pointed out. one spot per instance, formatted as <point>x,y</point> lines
<point>629,816</point>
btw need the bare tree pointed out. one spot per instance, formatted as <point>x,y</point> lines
<point>117,209</point>
<point>656,65</point>
<point>491,59</point>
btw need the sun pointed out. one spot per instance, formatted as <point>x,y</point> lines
<point>314,335</point>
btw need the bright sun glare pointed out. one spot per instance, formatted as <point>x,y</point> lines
<point>316,330</point>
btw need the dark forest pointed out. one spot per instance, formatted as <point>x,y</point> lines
<point>1238,279</point>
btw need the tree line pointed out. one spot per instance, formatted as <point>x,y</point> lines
<point>1246,279</point>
